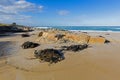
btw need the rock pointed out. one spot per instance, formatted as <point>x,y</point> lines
<point>107,34</point>
<point>107,41</point>
<point>47,37</point>
<point>75,47</point>
<point>28,44</point>
<point>65,36</point>
<point>25,35</point>
<point>26,29</point>
<point>40,34</point>
<point>85,32</point>
<point>101,36</point>
<point>97,40</point>
<point>45,34</point>
<point>59,36</point>
<point>49,55</point>
<point>55,36</point>
<point>63,41</point>
<point>79,38</point>
<point>51,37</point>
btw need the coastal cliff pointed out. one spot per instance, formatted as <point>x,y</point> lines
<point>13,28</point>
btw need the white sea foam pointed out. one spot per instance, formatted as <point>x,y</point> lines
<point>43,27</point>
<point>95,31</point>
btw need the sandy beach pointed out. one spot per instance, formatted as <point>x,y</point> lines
<point>98,62</point>
<point>59,39</point>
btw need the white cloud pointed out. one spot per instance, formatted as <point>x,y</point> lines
<point>13,10</point>
<point>18,7</point>
<point>20,19</point>
<point>15,17</point>
<point>40,7</point>
<point>63,12</point>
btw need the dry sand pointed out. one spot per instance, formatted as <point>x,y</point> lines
<point>98,62</point>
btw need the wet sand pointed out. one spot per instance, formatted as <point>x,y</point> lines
<point>99,62</point>
<point>6,48</point>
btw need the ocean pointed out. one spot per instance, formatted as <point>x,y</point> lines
<point>87,28</point>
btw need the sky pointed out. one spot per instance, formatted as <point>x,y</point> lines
<point>61,12</point>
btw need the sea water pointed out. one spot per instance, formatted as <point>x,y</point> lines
<point>87,28</point>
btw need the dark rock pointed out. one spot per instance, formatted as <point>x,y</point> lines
<point>75,47</point>
<point>49,55</point>
<point>107,34</point>
<point>107,41</point>
<point>25,35</point>
<point>40,34</point>
<point>85,32</point>
<point>101,36</point>
<point>28,44</point>
<point>64,41</point>
<point>59,36</point>
<point>14,29</point>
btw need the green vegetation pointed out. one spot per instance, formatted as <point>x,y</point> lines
<point>1,24</point>
<point>13,24</point>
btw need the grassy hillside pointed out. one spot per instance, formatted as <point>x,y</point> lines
<point>4,25</point>
<point>1,24</point>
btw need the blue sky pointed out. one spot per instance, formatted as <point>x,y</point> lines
<point>61,12</point>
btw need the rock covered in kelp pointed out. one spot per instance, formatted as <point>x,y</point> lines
<point>107,41</point>
<point>75,47</point>
<point>49,55</point>
<point>28,44</point>
<point>25,35</point>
